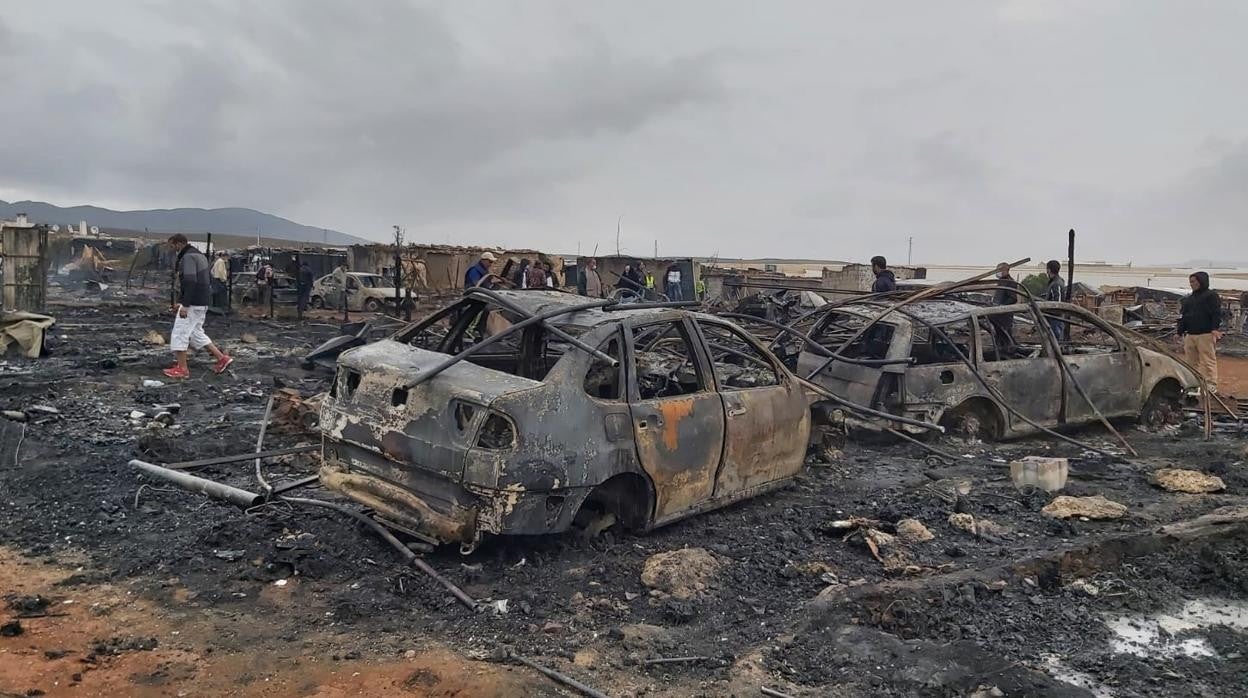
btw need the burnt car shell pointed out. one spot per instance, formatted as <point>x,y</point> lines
<point>477,450</point>
<point>1120,376</point>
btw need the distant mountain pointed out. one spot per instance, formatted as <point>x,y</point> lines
<point>229,221</point>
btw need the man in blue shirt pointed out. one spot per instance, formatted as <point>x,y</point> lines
<point>479,273</point>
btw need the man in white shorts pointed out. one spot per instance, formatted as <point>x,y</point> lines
<point>195,294</point>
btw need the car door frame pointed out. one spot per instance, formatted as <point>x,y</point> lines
<point>759,421</point>
<point>1019,381</point>
<point>681,484</point>
<point>1121,372</point>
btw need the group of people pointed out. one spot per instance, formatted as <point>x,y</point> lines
<point>635,282</point>
<point>1199,327</point>
<point>525,274</point>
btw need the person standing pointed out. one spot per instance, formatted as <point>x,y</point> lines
<point>479,274</point>
<point>264,286</point>
<point>520,278</point>
<point>1003,323</point>
<point>673,283</point>
<point>588,282</point>
<point>631,283</point>
<point>1053,292</point>
<point>1200,327</point>
<point>220,279</point>
<point>305,285</point>
<point>194,294</point>
<point>885,280</point>
<point>536,276</point>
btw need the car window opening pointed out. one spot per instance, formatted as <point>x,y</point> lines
<point>840,327</point>
<point>928,347</point>
<point>738,364</point>
<point>602,380</point>
<point>664,362</point>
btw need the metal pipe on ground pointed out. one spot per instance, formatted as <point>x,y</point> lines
<point>558,677</point>
<point>264,426</point>
<point>223,460</point>
<point>387,536</point>
<point>193,483</point>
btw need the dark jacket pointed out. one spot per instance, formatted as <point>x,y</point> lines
<point>1005,293</point>
<point>1201,311</point>
<point>306,279</point>
<point>194,278</point>
<point>884,281</point>
<point>1053,291</point>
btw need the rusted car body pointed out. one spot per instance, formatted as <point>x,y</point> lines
<point>520,439</point>
<point>914,363</point>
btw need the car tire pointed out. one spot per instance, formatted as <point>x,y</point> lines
<point>976,419</point>
<point>318,302</point>
<point>372,305</point>
<point>1163,406</point>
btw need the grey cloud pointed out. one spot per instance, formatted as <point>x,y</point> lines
<point>983,130</point>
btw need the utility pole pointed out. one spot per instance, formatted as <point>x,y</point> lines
<point>656,249</point>
<point>910,252</point>
<point>398,268</point>
<point>617,234</point>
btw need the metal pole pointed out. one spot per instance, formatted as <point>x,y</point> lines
<point>1070,268</point>
<point>192,483</point>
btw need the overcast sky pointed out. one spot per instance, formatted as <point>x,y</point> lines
<point>814,129</point>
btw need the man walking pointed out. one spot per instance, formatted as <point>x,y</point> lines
<point>264,285</point>
<point>194,294</point>
<point>885,280</point>
<point>1200,327</point>
<point>588,283</point>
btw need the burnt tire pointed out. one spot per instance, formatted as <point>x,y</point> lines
<point>318,302</point>
<point>974,419</point>
<point>1164,406</point>
<point>372,305</point>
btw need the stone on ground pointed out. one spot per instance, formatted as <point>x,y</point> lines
<point>1097,508</point>
<point>682,573</point>
<point>913,531</point>
<point>962,522</point>
<point>1189,481</point>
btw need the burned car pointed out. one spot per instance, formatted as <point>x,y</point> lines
<point>988,370</point>
<point>527,412</point>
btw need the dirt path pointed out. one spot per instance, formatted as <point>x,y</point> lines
<point>104,640</point>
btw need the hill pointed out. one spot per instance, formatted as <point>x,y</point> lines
<point>233,221</point>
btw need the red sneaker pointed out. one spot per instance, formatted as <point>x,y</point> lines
<point>176,372</point>
<point>222,364</point>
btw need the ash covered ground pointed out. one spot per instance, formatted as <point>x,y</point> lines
<point>1023,604</point>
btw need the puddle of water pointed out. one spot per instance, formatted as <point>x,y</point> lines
<point>1152,635</point>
